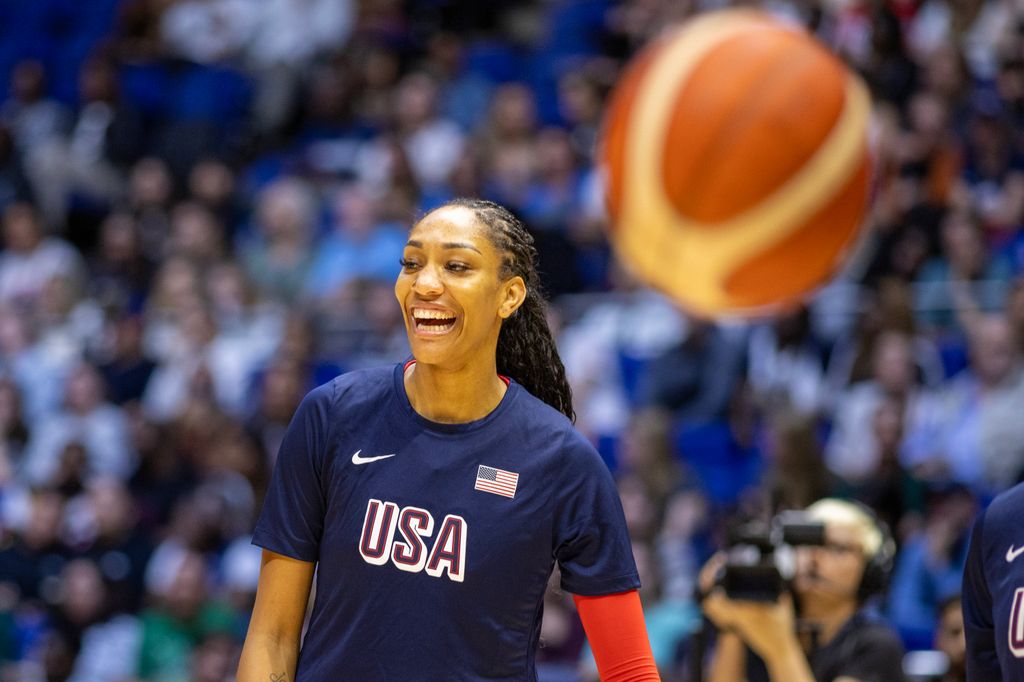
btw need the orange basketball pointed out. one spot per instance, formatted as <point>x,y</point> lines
<point>736,161</point>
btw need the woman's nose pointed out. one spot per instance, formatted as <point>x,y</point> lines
<point>427,282</point>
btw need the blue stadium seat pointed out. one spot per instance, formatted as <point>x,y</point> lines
<point>575,28</point>
<point>64,66</point>
<point>496,61</point>
<point>953,354</point>
<point>95,18</point>
<point>146,85</point>
<point>723,467</point>
<point>211,94</point>
<point>631,369</point>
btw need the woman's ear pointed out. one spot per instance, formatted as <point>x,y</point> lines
<point>514,295</point>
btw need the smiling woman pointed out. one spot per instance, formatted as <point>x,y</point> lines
<point>455,299</point>
<point>434,541</point>
<point>470,265</point>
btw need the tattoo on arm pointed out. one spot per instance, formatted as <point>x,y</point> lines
<point>278,677</point>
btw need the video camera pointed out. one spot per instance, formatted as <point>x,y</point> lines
<point>760,560</point>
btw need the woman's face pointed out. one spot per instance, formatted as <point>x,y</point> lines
<point>451,290</point>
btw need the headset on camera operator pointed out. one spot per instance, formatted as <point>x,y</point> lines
<point>827,634</point>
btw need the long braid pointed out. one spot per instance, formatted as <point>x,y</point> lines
<point>526,350</point>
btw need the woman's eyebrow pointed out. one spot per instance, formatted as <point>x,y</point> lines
<point>447,245</point>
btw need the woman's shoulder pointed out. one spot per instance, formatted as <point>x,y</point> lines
<point>537,415</point>
<point>1006,508</point>
<point>547,425</point>
<point>360,386</point>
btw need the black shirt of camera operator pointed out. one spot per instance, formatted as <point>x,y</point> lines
<point>866,648</point>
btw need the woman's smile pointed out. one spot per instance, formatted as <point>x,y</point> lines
<point>433,321</point>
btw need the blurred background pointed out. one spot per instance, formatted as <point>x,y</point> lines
<point>203,203</point>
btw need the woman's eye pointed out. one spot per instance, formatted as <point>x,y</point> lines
<point>457,267</point>
<point>408,264</point>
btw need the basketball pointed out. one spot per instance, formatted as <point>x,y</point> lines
<point>736,163</point>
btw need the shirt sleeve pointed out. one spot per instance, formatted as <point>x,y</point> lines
<point>618,636</point>
<point>292,519</point>
<point>591,542</point>
<point>979,630</point>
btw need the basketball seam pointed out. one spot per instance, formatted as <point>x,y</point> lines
<point>775,69</point>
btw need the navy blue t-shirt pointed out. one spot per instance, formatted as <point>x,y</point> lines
<point>435,542</point>
<point>993,591</point>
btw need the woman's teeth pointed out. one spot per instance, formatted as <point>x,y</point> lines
<point>433,321</point>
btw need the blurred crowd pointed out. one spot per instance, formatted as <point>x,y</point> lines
<point>203,203</point>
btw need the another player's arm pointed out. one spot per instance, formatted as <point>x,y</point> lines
<point>272,643</point>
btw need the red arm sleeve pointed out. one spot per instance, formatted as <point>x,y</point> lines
<point>618,637</point>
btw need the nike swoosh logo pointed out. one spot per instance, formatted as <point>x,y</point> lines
<point>1012,553</point>
<point>356,459</point>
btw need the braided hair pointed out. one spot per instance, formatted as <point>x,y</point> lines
<point>526,350</point>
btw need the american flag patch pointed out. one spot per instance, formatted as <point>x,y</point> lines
<point>497,481</point>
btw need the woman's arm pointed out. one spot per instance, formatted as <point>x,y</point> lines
<point>618,637</point>
<point>272,643</point>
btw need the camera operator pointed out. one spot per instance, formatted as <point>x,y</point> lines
<point>827,634</point>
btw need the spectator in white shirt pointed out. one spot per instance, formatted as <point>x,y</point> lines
<point>852,451</point>
<point>972,430</point>
<point>784,363</point>
<point>208,31</point>
<point>87,419</point>
<point>432,143</point>
<point>30,259</point>
<point>32,117</point>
